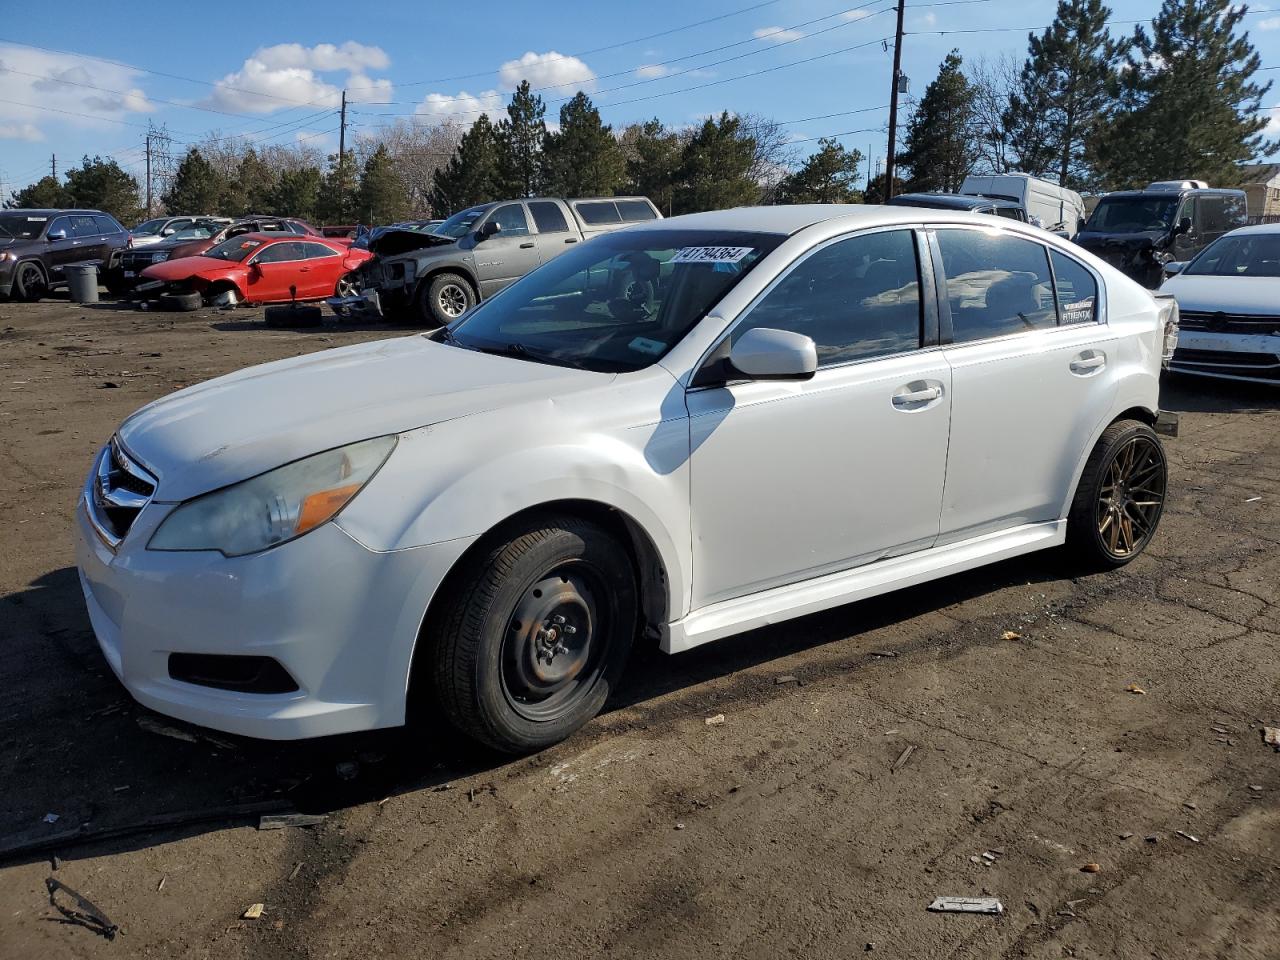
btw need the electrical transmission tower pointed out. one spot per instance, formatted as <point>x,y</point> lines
<point>161,164</point>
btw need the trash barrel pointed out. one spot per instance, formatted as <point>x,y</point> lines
<point>82,282</point>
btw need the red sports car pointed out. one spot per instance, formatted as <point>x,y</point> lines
<point>261,268</point>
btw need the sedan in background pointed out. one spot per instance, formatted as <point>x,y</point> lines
<point>155,231</point>
<point>1229,299</point>
<point>260,268</point>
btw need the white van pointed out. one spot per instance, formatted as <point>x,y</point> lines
<point>1057,208</point>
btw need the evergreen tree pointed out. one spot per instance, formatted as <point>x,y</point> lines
<point>583,158</point>
<point>940,148</point>
<point>1184,101</point>
<point>297,194</point>
<point>253,187</point>
<point>382,194</point>
<point>828,176</point>
<point>337,201</point>
<point>1061,92</point>
<point>520,137</point>
<point>101,185</point>
<point>715,168</point>
<point>471,176</point>
<point>652,163</point>
<point>45,193</point>
<point>196,188</point>
<point>875,189</point>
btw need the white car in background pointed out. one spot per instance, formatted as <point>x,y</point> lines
<point>677,431</point>
<point>1229,299</point>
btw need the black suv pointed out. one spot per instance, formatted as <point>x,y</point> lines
<point>1139,231</point>
<point>35,245</point>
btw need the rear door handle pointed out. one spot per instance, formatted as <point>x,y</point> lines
<point>527,246</point>
<point>1088,362</point>
<point>570,239</point>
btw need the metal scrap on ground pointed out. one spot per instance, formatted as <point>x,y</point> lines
<point>86,913</point>
<point>966,905</point>
<point>278,821</point>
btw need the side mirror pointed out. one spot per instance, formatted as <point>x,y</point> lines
<point>57,235</point>
<point>1174,266</point>
<point>255,269</point>
<point>1184,226</point>
<point>489,228</point>
<point>167,232</point>
<point>766,354</point>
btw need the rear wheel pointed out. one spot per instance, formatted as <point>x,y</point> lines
<point>1121,496</point>
<point>446,298</point>
<point>535,635</point>
<point>29,282</point>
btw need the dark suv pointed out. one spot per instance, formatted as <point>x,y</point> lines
<point>1139,231</point>
<point>35,246</point>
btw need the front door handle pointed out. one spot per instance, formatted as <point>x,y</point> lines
<point>917,396</point>
<point>570,239</point>
<point>527,246</point>
<point>1088,363</point>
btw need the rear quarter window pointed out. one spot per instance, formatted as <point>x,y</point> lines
<point>598,213</point>
<point>1075,288</point>
<point>634,211</point>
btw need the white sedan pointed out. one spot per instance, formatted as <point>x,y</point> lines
<point>675,432</point>
<point>1229,298</point>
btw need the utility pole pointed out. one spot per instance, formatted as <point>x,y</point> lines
<point>53,165</point>
<point>893,106</point>
<point>342,153</point>
<point>148,173</point>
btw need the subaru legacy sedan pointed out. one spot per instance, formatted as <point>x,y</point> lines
<point>673,433</point>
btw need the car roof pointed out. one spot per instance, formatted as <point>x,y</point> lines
<point>21,211</point>
<point>955,201</point>
<point>1254,229</point>
<point>792,218</point>
<point>1172,192</point>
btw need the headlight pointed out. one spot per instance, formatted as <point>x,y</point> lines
<point>276,506</point>
<point>159,257</point>
<point>8,256</point>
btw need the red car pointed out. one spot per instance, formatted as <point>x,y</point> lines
<point>260,268</point>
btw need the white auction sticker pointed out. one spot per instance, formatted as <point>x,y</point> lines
<point>645,345</point>
<point>710,254</point>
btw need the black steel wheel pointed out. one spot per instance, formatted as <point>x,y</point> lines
<point>29,282</point>
<point>1121,496</point>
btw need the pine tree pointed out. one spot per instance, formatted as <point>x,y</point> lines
<point>101,185</point>
<point>940,148</point>
<point>252,189</point>
<point>652,162</point>
<point>296,194</point>
<point>875,188</point>
<point>715,168</point>
<point>1061,92</point>
<point>471,176</point>
<point>828,176</point>
<point>520,137</point>
<point>196,188</point>
<point>337,201</point>
<point>583,158</point>
<point>1184,101</point>
<point>382,194</point>
<point>45,193</point>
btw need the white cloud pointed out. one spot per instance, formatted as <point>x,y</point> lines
<point>855,14</point>
<point>1271,23</point>
<point>548,69</point>
<point>463,107</point>
<point>652,70</point>
<point>1272,128</point>
<point>926,20</point>
<point>289,74</point>
<point>777,34</point>
<point>90,87</point>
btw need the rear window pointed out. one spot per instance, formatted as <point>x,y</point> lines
<point>633,211</point>
<point>548,216</point>
<point>597,213</point>
<point>107,225</point>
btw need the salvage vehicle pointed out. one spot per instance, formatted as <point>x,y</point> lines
<point>154,231</point>
<point>1046,203</point>
<point>436,277</point>
<point>35,246</point>
<point>673,433</point>
<point>1229,300</point>
<point>189,241</point>
<point>256,268</point>
<point>954,201</point>
<point>1139,231</point>
<point>198,245</point>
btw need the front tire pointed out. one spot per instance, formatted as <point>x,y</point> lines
<point>447,297</point>
<point>535,634</point>
<point>1120,500</point>
<point>30,284</point>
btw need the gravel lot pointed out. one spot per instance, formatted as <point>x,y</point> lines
<point>783,831</point>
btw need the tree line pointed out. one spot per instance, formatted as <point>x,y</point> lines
<point>1090,110</point>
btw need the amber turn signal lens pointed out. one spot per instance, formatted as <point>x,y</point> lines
<point>319,507</point>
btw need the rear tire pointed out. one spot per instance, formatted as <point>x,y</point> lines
<point>442,301</point>
<point>1120,499</point>
<point>287,315</point>
<point>30,283</point>
<point>534,634</point>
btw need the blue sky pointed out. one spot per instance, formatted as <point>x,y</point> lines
<point>264,71</point>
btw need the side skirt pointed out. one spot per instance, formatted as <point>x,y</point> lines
<point>810,596</point>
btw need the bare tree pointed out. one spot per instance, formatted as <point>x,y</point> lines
<point>774,155</point>
<point>992,80</point>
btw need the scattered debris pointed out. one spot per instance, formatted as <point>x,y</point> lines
<point>297,868</point>
<point>86,914</point>
<point>442,787</point>
<point>679,826</point>
<point>112,385</point>
<point>883,653</point>
<point>1154,838</point>
<point>1253,500</point>
<point>903,757</point>
<point>384,800</point>
<point>278,821</point>
<point>1222,730</point>
<point>715,721</point>
<point>254,912</point>
<point>1255,787</point>
<point>160,885</point>
<point>1189,805</point>
<point>967,905</point>
<point>1135,689</point>
<point>1011,635</point>
<point>152,725</point>
<point>1187,836</point>
<point>50,818</point>
<point>1125,836</point>
<point>789,678</point>
<point>1271,737</point>
<point>348,769</point>
<point>1091,868</point>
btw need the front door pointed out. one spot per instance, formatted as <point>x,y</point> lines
<point>504,257</point>
<point>1033,374</point>
<point>795,479</point>
<point>65,249</point>
<point>274,270</point>
<point>319,274</point>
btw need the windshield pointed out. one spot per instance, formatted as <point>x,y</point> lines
<point>237,248</point>
<point>150,226</point>
<point>1132,214</point>
<point>459,225</point>
<point>195,233</point>
<point>1249,255</point>
<point>616,304</point>
<point>15,226</point>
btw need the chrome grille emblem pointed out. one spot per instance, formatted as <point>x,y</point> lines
<point>121,488</point>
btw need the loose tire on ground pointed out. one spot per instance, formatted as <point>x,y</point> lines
<point>29,282</point>
<point>287,315</point>
<point>181,302</point>
<point>534,634</point>
<point>1120,499</point>
<point>446,298</point>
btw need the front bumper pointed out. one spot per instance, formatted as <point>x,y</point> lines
<point>341,619</point>
<point>367,305</point>
<point>1228,356</point>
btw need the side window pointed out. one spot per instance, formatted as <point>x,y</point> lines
<point>63,224</point>
<point>85,226</point>
<point>598,213</point>
<point>107,225</point>
<point>857,298</point>
<point>1189,209</point>
<point>512,218</point>
<point>280,252</point>
<point>1213,215</point>
<point>548,217</point>
<point>316,251</point>
<point>1076,289</point>
<point>634,211</point>
<point>1234,210</point>
<point>997,284</point>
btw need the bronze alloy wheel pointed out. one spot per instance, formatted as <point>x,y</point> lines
<point>1131,496</point>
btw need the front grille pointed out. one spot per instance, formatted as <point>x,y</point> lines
<point>1258,366</point>
<point>136,260</point>
<point>1222,322</point>
<point>120,489</point>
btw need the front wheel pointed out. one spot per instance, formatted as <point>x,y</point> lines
<point>535,634</point>
<point>29,284</point>
<point>1120,498</point>
<point>446,298</point>
<point>348,285</point>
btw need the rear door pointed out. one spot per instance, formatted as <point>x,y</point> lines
<point>505,257</point>
<point>1033,373</point>
<point>91,242</point>
<point>555,235</point>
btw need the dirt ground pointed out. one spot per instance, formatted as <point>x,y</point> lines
<point>791,829</point>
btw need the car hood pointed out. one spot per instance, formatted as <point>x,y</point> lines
<point>240,425</point>
<point>184,267</point>
<point>1256,295</point>
<point>1138,240</point>
<point>389,243</point>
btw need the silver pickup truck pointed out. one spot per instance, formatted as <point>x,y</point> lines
<point>433,278</point>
